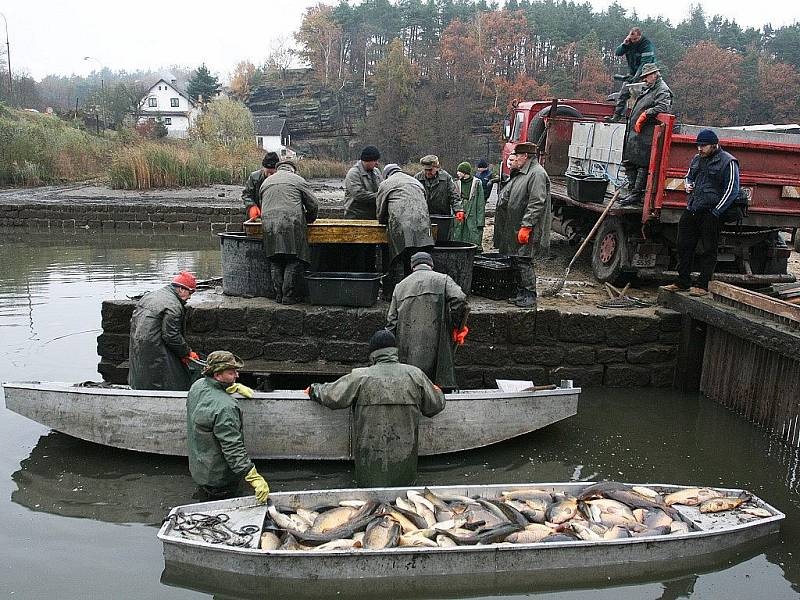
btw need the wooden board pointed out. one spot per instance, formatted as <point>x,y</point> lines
<point>346,231</point>
<point>760,302</point>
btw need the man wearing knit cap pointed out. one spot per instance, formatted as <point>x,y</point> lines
<point>523,218</point>
<point>290,204</point>
<point>484,173</point>
<point>440,190</point>
<point>713,185</point>
<point>402,208</point>
<point>218,459</point>
<point>361,185</point>
<point>250,196</point>
<point>387,399</point>
<point>470,230</point>
<point>428,314</point>
<point>158,355</point>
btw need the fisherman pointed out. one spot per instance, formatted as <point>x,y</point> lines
<point>401,206</point>
<point>250,195</point>
<point>428,314</point>
<point>484,173</point>
<point>713,185</point>
<point>655,98</point>
<point>470,230</point>
<point>159,355</point>
<point>387,399</point>
<point>522,219</point>
<point>638,52</point>
<point>288,200</point>
<point>218,459</point>
<point>360,193</point>
<point>440,189</point>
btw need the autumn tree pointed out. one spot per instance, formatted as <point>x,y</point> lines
<point>280,56</point>
<point>706,86</point>
<point>243,79</point>
<point>780,91</point>
<point>320,39</point>
<point>593,80</point>
<point>225,122</point>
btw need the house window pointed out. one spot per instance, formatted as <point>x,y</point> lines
<point>152,101</point>
<point>260,141</point>
<point>167,120</point>
<point>173,102</point>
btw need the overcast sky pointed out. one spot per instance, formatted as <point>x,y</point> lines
<point>53,36</point>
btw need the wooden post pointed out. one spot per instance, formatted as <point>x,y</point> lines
<point>689,364</point>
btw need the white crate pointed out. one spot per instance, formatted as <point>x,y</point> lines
<point>605,155</point>
<point>608,135</point>
<point>580,152</point>
<point>583,134</point>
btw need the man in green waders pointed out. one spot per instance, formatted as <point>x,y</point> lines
<point>218,459</point>
<point>387,399</point>
<point>470,230</point>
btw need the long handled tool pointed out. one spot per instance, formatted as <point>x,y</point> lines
<point>559,285</point>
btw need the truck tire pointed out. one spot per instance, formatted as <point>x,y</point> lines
<point>610,252</point>
<point>537,125</point>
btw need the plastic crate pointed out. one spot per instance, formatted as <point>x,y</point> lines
<point>494,276</point>
<point>343,289</point>
<point>585,188</point>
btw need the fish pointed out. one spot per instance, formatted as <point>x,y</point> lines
<point>531,494</point>
<point>656,518</point>
<point>608,512</point>
<point>648,493</point>
<point>756,512</point>
<point>495,510</point>
<point>416,541</point>
<point>584,531</point>
<point>401,502</point>
<point>280,519</point>
<point>418,498</point>
<point>405,524</point>
<point>300,524</point>
<point>269,541</point>
<point>291,543</point>
<point>679,527</point>
<point>456,498</point>
<point>445,542</point>
<point>661,530</point>
<point>333,518</point>
<point>357,523</point>
<point>431,497</point>
<point>381,533</point>
<point>479,513</point>
<point>725,503</point>
<point>617,533</point>
<point>309,516</point>
<point>691,496</point>
<point>511,514</point>
<point>352,503</point>
<point>487,536</point>
<point>559,537</point>
<point>640,514</point>
<point>423,510</point>
<point>339,544</point>
<point>562,511</point>
<point>530,536</point>
<point>599,490</point>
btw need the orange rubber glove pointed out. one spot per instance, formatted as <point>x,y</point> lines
<point>192,355</point>
<point>254,212</point>
<point>459,335</point>
<point>460,216</point>
<point>308,391</point>
<point>524,234</point>
<point>639,122</point>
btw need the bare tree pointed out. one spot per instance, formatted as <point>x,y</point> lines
<point>281,55</point>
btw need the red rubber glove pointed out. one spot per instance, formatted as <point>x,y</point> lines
<point>437,388</point>
<point>459,335</point>
<point>254,212</point>
<point>308,391</point>
<point>460,216</point>
<point>192,355</point>
<point>524,234</point>
<point>639,122</point>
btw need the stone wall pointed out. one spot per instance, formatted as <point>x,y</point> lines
<point>591,348</point>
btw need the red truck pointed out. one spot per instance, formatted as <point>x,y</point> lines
<point>641,242</point>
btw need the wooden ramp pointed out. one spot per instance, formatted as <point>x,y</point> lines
<point>742,350</point>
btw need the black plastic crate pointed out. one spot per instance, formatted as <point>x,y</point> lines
<point>343,289</point>
<point>585,188</point>
<point>494,276</point>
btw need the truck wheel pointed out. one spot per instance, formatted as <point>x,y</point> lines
<point>610,251</point>
<point>537,125</point>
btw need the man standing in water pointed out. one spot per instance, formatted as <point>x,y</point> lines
<point>158,354</point>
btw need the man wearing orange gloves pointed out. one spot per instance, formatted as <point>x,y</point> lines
<point>158,354</point>
<point>522,219</point>
<point>250,195</point>
<point>655,98</point>
<point>428,314</point>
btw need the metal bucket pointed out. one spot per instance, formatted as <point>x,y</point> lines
<point>443,223</point>
<point>455,259</point>
<point>245,266</point>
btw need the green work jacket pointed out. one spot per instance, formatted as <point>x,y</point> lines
<point>471,228</point>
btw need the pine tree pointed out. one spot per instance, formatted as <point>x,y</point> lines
<point>203,86</point>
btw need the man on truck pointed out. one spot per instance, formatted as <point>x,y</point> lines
<point>655,98</point>
<point>638,51</point>
<point>712,184</point>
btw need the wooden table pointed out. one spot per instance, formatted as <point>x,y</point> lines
<point>347,231</point>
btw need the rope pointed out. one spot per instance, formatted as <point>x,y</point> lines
<point>212,528</point>
<point>625,302</point>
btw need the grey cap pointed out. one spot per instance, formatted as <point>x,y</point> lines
<point>390,169</point>
<point>429,160</point>
<point>421,258</point>
<point>649,68</point>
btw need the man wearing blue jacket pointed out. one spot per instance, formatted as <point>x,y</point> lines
<point>712,184</point>
<point>638,51</point>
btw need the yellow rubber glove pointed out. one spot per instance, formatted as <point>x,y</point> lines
<point>259,485</point>
<point>241,388</point>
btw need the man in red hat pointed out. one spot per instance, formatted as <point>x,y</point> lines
<point>158,354</point>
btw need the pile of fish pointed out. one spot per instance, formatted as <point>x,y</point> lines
<point>604,511</point>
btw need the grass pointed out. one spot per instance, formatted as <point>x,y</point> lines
<point>37,149</point>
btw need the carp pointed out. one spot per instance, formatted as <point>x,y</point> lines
<point>333,518</point>
<point>691,496</point>
<point>724,503</point>
<point>381,533</point>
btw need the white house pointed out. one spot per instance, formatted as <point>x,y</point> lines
<point>272,135</point>
<point>167,100</point>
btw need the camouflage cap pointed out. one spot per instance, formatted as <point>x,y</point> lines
<point>648,69</point>
<point>221,360</point>
<point>429,160</point>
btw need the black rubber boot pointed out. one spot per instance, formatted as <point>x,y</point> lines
<point>528,299</point>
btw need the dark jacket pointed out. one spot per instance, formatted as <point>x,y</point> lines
<point>402,207</point>
<point>524,202</point>
<point>287,204</point>
<point>157,343</point>
<point>653,100</point>
<point>361,192</point>
<point>387,399</point>
<point>486,180</point>
<point>252,185</point>
<point>425,308</point>
<point>637,55</point>
<point>217,454</point>
<point>440,193</point>
<point>716,182</point>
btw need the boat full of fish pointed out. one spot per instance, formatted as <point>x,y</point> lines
<point>603,511</point>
